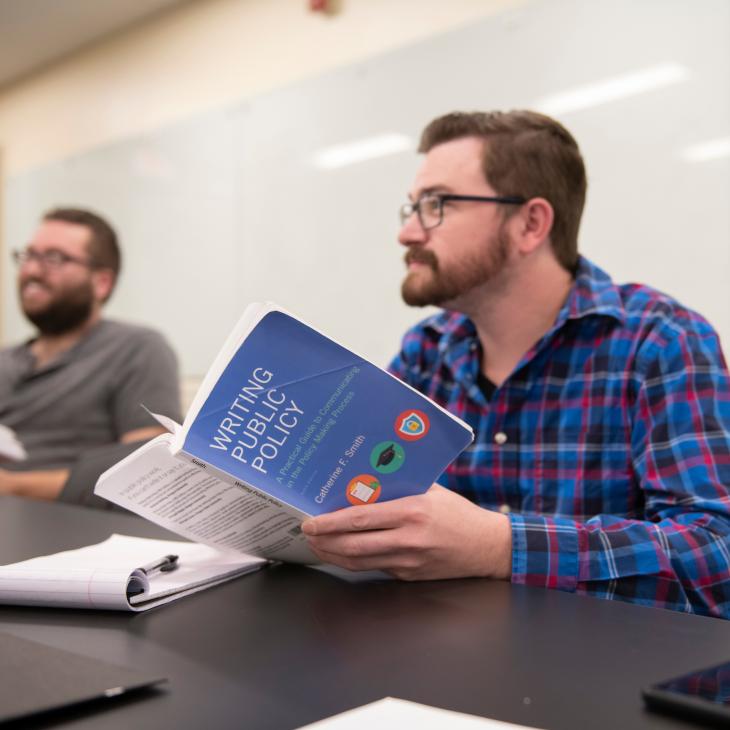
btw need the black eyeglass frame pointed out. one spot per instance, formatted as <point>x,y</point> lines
<point>408,209</point>
<point>61,259</point>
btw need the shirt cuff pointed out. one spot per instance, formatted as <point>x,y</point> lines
<point>545,551</point>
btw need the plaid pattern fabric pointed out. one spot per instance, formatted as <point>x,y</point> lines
<point>608,445</point>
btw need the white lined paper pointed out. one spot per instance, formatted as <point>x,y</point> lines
<point>98,576</point>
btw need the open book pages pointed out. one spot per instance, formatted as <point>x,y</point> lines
<point>116,574</point>
<point>287,423</point>
<point>197,503</point>
<point>10,447</point>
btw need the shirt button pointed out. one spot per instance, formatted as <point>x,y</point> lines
<point>504,509</point>
<point>500,438</point>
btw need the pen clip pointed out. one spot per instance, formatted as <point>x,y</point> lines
<point>165,564</point>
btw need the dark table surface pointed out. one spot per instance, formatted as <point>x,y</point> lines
<point>289,645</point>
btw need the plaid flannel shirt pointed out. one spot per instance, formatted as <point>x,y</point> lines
<point>608,445</point>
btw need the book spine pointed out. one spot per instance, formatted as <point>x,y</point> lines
<point>270,532</point>
<point>230,479</point>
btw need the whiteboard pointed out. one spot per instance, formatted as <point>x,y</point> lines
<point>228,207</point>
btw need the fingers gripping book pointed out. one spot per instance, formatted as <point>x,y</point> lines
<point>286,424</point>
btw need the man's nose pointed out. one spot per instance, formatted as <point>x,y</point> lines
<point>412,231</point>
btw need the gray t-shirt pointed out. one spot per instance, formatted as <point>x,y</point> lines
<point>89,396</point>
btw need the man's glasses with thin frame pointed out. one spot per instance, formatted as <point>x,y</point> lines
<point>430,207</point>
<point>50,259</point>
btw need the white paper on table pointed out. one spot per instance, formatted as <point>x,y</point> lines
<point>99,576</point>
<point>392,713</point>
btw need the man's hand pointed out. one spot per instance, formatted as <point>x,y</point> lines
<point>141,434</point>
<point>439,534</point>
<point>34,484</point>
<point>48,484</point>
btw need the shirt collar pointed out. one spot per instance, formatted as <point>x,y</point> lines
<point>25,358</point>
<point>593,293</point>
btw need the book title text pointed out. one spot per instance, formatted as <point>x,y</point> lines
<point>258,422</point>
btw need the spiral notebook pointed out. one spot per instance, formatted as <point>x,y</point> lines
<point>122,573</point>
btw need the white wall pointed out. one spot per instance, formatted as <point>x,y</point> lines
<point>199,56</point>
<point>269,225</point>
<point>194,58</point>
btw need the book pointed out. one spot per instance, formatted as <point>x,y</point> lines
<point>122,573</point>
<point>286,424</point>
<point>11,447</point>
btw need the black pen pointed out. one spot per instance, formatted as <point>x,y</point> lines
<point>163,565</point>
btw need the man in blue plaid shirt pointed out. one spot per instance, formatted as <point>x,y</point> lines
<point>601,462</point>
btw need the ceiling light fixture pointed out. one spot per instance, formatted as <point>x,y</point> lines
<point>612,89</point>
<point>361,150</point>
<point>712,149</point>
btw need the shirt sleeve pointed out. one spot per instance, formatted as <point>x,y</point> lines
<point>148,377</point>
<point>678,556</point>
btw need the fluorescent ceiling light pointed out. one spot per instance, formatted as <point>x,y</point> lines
<point>712,149</point>
<point>361,150</point>
<point>611,89</point>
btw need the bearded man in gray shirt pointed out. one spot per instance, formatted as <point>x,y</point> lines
<point>77,386</point>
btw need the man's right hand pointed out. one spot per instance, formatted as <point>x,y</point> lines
<point>439,534</point>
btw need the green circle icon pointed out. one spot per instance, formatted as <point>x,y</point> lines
<point>387,457</point>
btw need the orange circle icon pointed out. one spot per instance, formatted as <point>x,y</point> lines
<point>363,489</point>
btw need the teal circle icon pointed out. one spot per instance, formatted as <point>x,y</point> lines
<point>387,457</point>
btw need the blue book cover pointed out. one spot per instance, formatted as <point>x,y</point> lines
<point>315,426</point>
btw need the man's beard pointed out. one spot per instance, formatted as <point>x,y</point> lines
<point>446,286</point>
<point>69,310</point>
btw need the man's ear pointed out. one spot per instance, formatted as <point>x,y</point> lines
<point>532,224</point>
<point>102,281</point>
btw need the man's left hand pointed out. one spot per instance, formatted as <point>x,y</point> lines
<point>5,481</point>
<point>35,484</point>
<point>438,534</point>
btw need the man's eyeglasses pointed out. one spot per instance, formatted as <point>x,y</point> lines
<point>430,207</point>
<point>50,259</point>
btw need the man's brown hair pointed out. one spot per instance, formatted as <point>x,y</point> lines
<point>104,250</point>
<point>525,154</point>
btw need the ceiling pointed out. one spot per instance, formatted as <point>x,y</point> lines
<point>34,33</point>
